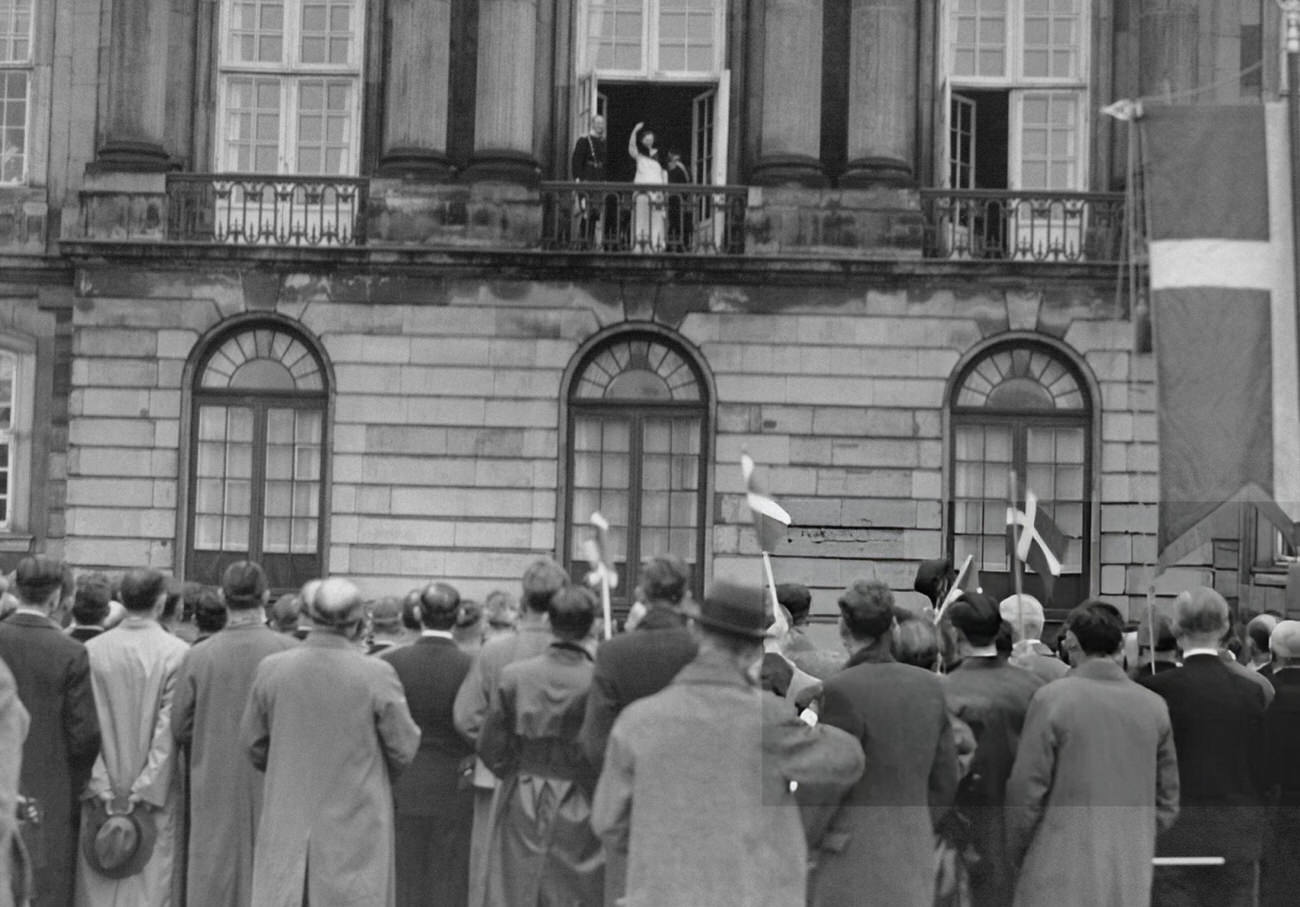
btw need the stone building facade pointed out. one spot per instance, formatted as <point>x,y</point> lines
<point>401,344</point>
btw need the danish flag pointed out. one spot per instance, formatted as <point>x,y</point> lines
<point>1041,545</point>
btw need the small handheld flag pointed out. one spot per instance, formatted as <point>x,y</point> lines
<point>602,572</point>
<point>968,580</point>
<point>1039,544</point>
<point>770,518</point>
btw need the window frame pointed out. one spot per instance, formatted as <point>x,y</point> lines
<point>18,518</point>
<point>650,70</point>
<point>26,67</point>
<point>261,401</point>
<point>290,72</point>
<point>1085,417</point>
<point>572,407</point>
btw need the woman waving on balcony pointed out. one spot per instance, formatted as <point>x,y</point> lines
<point>648,214</point>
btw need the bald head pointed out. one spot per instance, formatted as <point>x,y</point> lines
<point>1025,614</point>
<point>1201,618</point>
<point>1258,632</point>
<point>337,603</point>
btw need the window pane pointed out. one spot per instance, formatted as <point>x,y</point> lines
<point>252,121</point>
<point>979,31</point>
<point>614,34</point>
<point>256,31</point>
<point>13,123</point>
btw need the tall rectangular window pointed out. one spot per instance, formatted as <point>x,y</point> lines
<point>15,88</point>
<point>290,88</point>
<point>649,38</point>
<point>8,407</point>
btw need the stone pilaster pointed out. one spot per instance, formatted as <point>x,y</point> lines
<point>1168,39</point>
<point>882,93</point>
<point>790,132</point>
<point>135,121</point>
<point>417,75</point>
<point>503,96</point>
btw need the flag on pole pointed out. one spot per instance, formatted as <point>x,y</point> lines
<point>968,580</point>
<point>770,518</point>
<point>1041,543</point>
<point>1221,253</point>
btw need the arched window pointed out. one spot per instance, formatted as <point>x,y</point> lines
<point>637,442</point>
<point>1022,406</point>
<point>257,461</point>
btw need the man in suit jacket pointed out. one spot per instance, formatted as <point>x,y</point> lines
<point>52,672</point>
<point>434,811</point>
<point>696,790</point>
<point>1218,722</point>
<point>992,697</point>
<point>1095,777</point>
<point>882,838</point>
<point>1281,870</point>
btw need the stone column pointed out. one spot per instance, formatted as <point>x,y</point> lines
<point>503,94</point>
<point>1167,42</point>
<point>416,79</point>
<point>791,128</point>
<point>882,93</point>
<point>135,121</point>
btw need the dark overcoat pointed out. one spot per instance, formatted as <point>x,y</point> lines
<point>881,840</point>
<point>52,672</point>
<point>1281,870</point>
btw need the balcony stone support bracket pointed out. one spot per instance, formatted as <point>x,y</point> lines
<point>418,75</point>
<point>882,93</point>
<point>790,132</point>
<point>503,105</point>
<point>135,119</point>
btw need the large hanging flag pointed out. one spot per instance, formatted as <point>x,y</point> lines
<point>1221,255</point>
<point>1034,539</point>
<point>770,519</point>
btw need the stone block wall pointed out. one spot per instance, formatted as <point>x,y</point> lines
<point>446,433</point>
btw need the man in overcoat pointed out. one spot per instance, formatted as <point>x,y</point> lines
<point>1281,876</point>
<point>1095,777</point>
<point>225,790</point>
<point>52,674</point>
<point>331,728</point>
<point>435,812</point>
<point>1218,722</point>
<point>699,779</point>
<point>881,839</point>
<point>992,697</point>
<point>14,722</point>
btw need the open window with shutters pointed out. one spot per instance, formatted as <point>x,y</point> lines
<point>258,454</point>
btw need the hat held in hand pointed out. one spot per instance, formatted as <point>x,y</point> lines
<point>118,840</point>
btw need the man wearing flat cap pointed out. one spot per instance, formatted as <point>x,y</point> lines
<point>992,697</point>
<point>434,812</point>
<point>330,728</point>
<point>225,791</point>
<point>52,674</point>
<point>882,838</point>
<point>698,789</point>
<point>1280,878</point>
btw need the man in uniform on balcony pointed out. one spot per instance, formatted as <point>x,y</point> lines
<point>588,165</point>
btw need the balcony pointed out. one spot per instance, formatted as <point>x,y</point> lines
<point>998,225</point>
<point>969,227</point>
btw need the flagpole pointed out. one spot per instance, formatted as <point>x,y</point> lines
<point>1015,556</point>
<point>1151,615</point>
<point>771,586</point>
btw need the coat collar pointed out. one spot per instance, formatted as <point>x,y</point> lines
<point>28,619</point>
<point>983,663</point>
<point>569,651</point>
<point>321,638</point>
<point>662,617</point>
<point>1100,669</point>
<point>713,668</point>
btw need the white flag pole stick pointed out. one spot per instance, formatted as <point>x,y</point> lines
<point>771,586</point>
<point>1151,617</point>
<point>606,604</point>
<point>1015,557</point>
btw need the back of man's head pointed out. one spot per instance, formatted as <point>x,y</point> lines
<point>1165,641</point>
<point>282,615</point>
<point>1259,630</point>
<point>90,606</point>
<point>244,586</point>
<point>664,579</point>
<point>1098,628</point>
<point>573,611</point>
<point>439,604</point>
<point>977,616</point>
<point>385,615</point>
<point>797,599</point>
<point>37,578</point>
<point>210,613</point>
<point>543,578</point>
<point>1201,617</point>
<point>1025,614</point>
<point>867,608</point>
<point>142,589</point>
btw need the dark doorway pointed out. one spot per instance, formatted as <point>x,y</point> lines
<point>992,135</point>
<point>664,108</point>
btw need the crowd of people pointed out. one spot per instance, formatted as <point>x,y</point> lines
<point>165,744</point>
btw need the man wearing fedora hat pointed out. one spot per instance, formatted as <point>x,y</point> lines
<point>698,789</point>
<point>330,727</point>
<point>225,791</point>
<point>52,673</point>
<point>882,839</point>
<point>133,669</point>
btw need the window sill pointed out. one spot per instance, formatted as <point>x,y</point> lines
<point>11,542</point>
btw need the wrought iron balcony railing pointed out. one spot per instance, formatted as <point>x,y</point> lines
<point>673,219</point>
<point>999,224</point>
<point>253,210</point>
